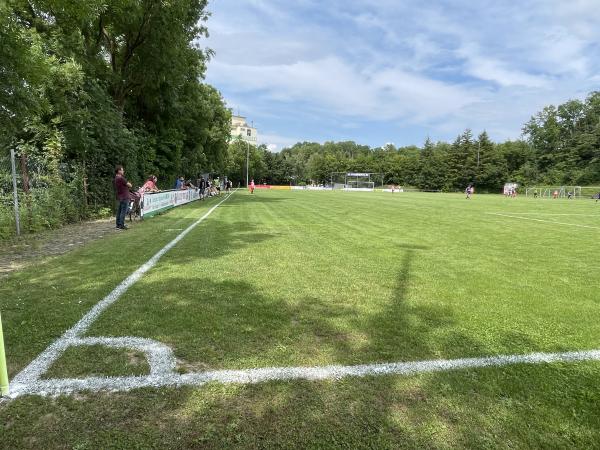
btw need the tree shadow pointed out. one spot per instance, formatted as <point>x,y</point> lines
<point>232,324</point>
<point>239,198</point>
<point>41,302</point>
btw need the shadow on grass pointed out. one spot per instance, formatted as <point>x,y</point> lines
<point>230,324</point>
<point>215,239</point>
<point>40,303</point>
<point>243,197</point>
<point>541,406</point>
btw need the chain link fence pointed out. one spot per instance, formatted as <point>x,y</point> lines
<point>50,194</point>
<point>8,213</point>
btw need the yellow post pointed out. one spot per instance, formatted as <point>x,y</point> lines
<point>3,370</point>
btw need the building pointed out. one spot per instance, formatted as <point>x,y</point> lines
<point>240,128</point>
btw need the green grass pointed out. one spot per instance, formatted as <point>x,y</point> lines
<point>96,360</point>
<point>313,278</point>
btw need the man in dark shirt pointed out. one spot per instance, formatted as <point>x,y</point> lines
<point>122,190</point>
<point>202,186</point>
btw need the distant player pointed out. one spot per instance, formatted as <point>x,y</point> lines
<point>469,191</point>
<point>252,186</point>
<point>555,194</point>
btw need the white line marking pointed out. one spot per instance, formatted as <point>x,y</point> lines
<point>53,387</point>
<point>32,373</point>
<point>160,356</point>
<point>546,221</point>
<point>552,214</point>
<point>162,362</point>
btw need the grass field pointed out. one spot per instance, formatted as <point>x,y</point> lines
<point>304,279</point>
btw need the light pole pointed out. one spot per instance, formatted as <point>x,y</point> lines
<point>247,160</point>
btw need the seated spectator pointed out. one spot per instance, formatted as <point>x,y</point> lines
<point>149,185</point>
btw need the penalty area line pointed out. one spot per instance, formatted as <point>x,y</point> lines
<point>545,221</point>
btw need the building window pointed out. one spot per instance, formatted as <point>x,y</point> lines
<point>249,132</point>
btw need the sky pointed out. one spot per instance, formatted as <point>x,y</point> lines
<point>399,71</point>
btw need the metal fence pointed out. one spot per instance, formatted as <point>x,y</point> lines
<point>9,195</point>
<point>39,192</point>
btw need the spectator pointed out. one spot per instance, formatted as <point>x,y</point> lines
<point>122,191</point>
<point>149,185</point>
<point>202,186</point>
<point>180,183</point>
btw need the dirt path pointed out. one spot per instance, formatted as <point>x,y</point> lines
<point>19,253</point>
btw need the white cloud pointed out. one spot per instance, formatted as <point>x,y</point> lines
<point>275,142</point>
<point>332,85</point>
<point>429,65</point>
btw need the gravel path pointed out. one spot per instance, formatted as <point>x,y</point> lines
<point>19,253</point>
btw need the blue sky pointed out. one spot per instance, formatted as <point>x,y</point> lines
<point>399,71</point>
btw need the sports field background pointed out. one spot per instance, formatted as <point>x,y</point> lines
<point>284,278</point>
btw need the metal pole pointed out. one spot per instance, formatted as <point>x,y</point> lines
<point>3,370</point>
<point>15,193</point>
<point>247,160</point>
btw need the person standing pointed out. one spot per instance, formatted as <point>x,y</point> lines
<point>202,187</point>
<point>122,191</point>
<point>252,186</point>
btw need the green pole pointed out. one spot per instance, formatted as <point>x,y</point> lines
<point>3,371</point>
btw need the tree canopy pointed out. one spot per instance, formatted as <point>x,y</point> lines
<point>87,85</point>
<point>559,145</point>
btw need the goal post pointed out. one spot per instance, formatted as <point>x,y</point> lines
<point>555,191</point>
<point>352,184</point>
<point>353,181</point>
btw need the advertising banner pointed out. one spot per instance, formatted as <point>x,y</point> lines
<point>153,203</point>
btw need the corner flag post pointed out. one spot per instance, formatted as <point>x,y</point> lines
<point>3,370</point>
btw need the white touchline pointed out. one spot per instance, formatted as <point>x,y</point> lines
<point>545,221</point>
<point>32,373</point>
<point>51,387</point>
<point>551,214</point>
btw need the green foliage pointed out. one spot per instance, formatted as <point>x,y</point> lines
<point>562,146</point>
<point>88,85</point>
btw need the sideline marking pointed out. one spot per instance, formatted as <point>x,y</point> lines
<point>31,374</point>
<point>54,387</point>
<point>553,214</point>
<point>545,221</point>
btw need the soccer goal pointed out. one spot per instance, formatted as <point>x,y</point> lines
<point>356,181</point>
<point>554,191</point>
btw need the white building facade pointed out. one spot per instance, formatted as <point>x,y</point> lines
<point>240,128</point>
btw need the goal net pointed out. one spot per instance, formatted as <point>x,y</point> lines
<point>554,191</point>
<point>370,185</point>
<point>356,181</point>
